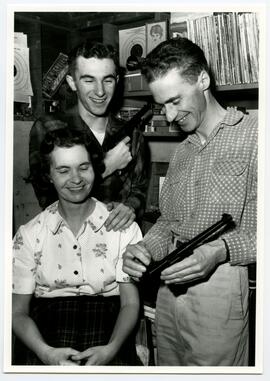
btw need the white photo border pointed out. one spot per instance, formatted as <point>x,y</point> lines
<point>8,181</point>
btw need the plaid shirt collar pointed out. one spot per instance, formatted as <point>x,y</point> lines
<point>232,117</point>
<point>95,220</point>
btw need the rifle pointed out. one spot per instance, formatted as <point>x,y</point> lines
<point>150,280</point>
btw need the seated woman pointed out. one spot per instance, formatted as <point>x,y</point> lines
<point>72,303</point>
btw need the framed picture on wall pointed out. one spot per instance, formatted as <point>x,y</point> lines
<point>155,33</point>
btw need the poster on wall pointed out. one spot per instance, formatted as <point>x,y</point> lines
<point>22,81</point>
<point>131,43</point>
<point>155,33</point>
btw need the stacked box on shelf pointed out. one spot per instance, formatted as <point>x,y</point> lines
<point>134,81</point>
<point>126,113</point>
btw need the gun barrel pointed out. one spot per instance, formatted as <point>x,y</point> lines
<point>141,116</point>
<point>187,248</point>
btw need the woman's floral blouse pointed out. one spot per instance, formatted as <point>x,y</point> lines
<point>50,261</point>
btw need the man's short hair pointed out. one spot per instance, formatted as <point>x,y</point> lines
<point>89,49</point>
<point>177,53</point>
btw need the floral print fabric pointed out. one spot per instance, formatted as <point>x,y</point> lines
<point>50,261</point>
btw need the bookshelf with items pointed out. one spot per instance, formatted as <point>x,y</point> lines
<point>236,84</point>
<point>230,42</point>
<point>237,87</point>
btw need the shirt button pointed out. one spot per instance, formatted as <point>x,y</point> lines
<point>75,247</point>
<point>76,272</point>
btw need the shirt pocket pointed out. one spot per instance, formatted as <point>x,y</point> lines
<point>228,181</point>
<point>178,187</point>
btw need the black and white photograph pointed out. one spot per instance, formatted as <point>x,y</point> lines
<point>135,204</point>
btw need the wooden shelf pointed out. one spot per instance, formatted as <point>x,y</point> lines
<point>238,87</point>
<point>139,93</point>
<point>250,87</point>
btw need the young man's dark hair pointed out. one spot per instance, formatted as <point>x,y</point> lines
<point>89,49</point>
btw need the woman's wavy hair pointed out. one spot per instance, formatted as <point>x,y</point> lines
<point>62,137</point>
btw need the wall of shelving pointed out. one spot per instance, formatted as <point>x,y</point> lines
<point>51,34</point>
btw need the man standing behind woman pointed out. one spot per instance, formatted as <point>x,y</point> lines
<point>212,172</point>
<point>118,154</point>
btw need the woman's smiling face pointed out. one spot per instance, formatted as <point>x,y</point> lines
<point>71,173</point>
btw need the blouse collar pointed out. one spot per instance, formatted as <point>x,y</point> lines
<point>95,220</point>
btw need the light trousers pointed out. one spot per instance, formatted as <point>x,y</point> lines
<point>208,325</point>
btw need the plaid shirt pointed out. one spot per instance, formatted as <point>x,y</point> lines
<point>206,180</point>
<point>128,186</point>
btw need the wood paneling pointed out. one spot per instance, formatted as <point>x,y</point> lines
<point>25,203</point>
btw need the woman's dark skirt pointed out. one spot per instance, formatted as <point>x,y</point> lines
<point>77,322</point>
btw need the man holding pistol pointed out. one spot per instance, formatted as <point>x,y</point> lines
<point>212,172</point>
<point>118,154</point>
